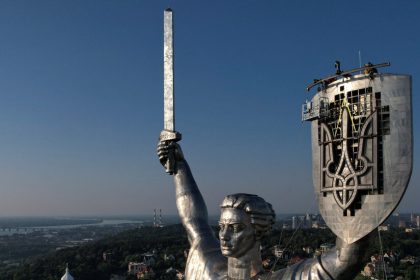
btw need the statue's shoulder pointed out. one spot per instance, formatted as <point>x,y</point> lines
<point>205,261</point>
<point>306,269</point>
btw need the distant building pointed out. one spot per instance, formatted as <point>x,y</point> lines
<point>368,270</point>
<point>157,220</point>
<point>401,224</point>
<point>308,250</point>
<point>390,257</point>
<point>141,270</point>
<point>308,221</point>
<point>107,256</point>
<point>379,267</point>
<point>295,222</point>
<point>409,259</point>
<point>149,259</point>
<point>148,273</point>
<point>418,221</point>
<point>325,247</point>
<point>135,267</point>
<point>383,228</point>
<point>281,253</point>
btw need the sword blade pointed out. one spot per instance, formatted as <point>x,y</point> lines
<point>168,133</point>
<point>168,72</point>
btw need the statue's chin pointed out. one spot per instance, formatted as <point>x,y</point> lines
<point>226,251</point>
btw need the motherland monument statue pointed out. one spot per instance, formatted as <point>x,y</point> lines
<point>362,160</point>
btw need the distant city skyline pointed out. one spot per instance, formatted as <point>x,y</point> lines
<point>81,98</point>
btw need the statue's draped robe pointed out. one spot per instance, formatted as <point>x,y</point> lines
<point>206,262</point>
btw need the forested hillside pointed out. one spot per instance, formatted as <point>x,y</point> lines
<point>88,262</point>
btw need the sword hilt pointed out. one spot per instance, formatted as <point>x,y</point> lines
<point>170,136</point>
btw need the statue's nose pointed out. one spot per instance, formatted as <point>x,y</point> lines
<point>224,235</point>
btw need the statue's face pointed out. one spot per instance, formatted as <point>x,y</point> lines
<point>237,236</point>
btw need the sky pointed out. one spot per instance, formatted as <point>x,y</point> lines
<point>81,98</point>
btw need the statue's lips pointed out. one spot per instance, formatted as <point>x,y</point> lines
<point>226,248</point>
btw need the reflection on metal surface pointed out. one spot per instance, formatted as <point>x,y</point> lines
<point>361,150</point>
<point>168,71</point>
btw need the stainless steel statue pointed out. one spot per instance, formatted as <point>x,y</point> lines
<point>246,218</point>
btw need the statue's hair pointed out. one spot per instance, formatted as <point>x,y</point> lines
<point>261,212</point>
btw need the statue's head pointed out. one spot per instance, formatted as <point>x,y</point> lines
<point>244,220</point>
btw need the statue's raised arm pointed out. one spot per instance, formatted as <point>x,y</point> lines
<point>189,201</point>
<point>205,260</point>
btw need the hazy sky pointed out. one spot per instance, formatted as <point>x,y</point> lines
<point>81,103</point>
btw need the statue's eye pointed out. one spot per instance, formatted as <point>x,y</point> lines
<point>238,227</point>
<point>221,226</point>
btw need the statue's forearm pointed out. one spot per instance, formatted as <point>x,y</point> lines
<point>345,260</point>
<point>190,203</point>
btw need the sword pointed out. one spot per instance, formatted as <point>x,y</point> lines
<point>168,134</point>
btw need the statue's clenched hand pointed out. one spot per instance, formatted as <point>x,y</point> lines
<point>169,153</point>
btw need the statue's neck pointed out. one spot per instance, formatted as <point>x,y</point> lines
<point>247,266</point>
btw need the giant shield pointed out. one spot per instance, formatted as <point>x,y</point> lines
<point>361,150</point>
